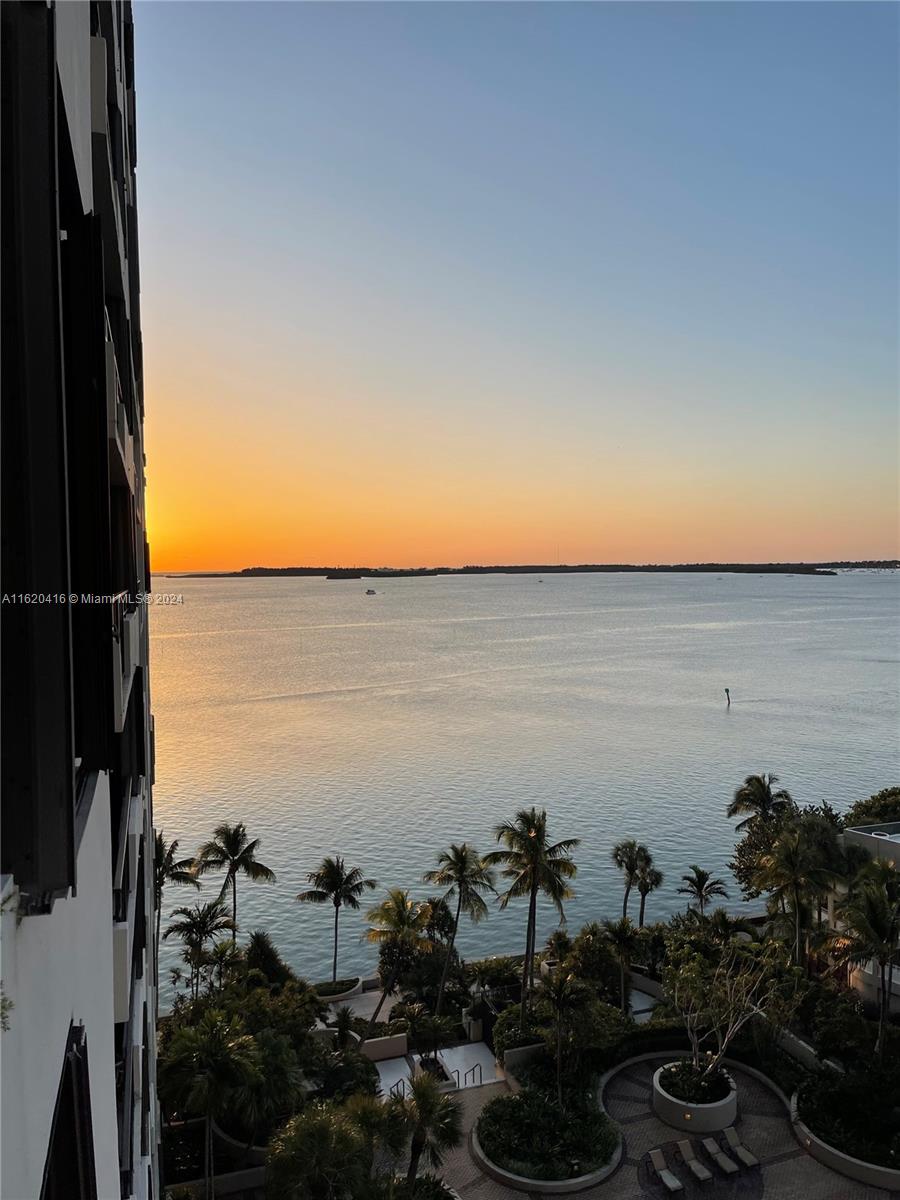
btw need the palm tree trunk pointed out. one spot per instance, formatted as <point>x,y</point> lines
<point>418,1145</point>
<point>529,951</point>
<point>641,913</point>
<point>446,970</point>
<point>625,901</point>
<point>797,926</point>
<point>234,907</point>
<point>532,947</point>
<point>337,913</point>
<point>388,988</point>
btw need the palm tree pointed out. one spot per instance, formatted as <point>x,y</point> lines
<point>231,850</point>
<point>397,926</point>
<point>168,869</point>
<point>723,927</point>
<point>702,887</point>
<point>436,1122</point>
<point>623,941</point>
<point>758,799</point>
<point>792,872</point>
<point>272,1091</point>
<point>197,926</point>
<point>533,866</point>
<point>463,873</point>
<point>871,931</point>
<point>341,886</point>
<point>320,1154</point>
<point>204,1066</point>
<point>565,994</point>
<point>648,880</point>
<point>630,857</point>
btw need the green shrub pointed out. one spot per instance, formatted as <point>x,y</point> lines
<point>857,1112</point>
<point>530,1135</point>
<point>683,1082</point>
<point>344,1072</point>
<point>876,810</point>
<point>336,988</point>
<point>508,1034</point>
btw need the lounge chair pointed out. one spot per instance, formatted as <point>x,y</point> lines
<point>722,1161</point>
<point>671,1182</point>
<point>738,1149</point>
<point>693,1163</point>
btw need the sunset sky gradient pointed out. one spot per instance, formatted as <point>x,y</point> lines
<point>437,284</point>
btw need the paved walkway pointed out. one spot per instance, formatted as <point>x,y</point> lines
<point>786,1172</point>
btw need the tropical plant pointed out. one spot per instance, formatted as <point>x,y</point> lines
<point>758,799</point>
<point>623,940</point>
<point>463,873</point>
<point>722,927</point>
<point>533,866</point>
<point>319,1154</point>
<point>631,858</point>
<point>273,1090</point>
<point>558,945</point>
<point>203,1067</point>
<point>565,994</point>
<point>339,885</point>
<point>701,887</point>
<point>883,807</point>
<point>232,851</point>
<point>343,1025</point>
<point>397,927</point>
<point>168,868</point>
<point>263,956</point>
<point>435,1119</point>
<point>792,872</point>
<point>716,996</point>
<point>870,919</point>
<point>649,878</point>
<point>196,926</point>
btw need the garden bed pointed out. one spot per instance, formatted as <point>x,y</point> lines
<point>717,1109</point>
<point>528,1142</point>
<point>340,989</point>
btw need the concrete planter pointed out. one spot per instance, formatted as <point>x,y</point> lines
<point>395,1045</point>
<point>694,1118</point>
<point>870,1174</point>
<point>544,1187</point>
<point>338,997</point>
<point>254,1156</point>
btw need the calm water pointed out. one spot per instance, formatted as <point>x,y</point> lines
<point>383,727</point>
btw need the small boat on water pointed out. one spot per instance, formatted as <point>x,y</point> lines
<point>371,592</point>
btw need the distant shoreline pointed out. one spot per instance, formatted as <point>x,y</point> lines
<point>334,573</point>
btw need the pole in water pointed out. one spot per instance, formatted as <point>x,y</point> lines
<point>728,697</point>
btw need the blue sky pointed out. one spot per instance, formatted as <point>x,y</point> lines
<point>613,244</point>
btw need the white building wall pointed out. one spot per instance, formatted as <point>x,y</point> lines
<point>57,968</point>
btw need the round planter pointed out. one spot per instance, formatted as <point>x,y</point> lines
<point>854,1168</point>
<point>546,1187</point>
<point>695,1118</point>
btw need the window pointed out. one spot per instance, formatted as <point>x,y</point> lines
<point>69,1172</point>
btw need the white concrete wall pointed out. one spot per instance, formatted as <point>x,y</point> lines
<point>57,969</point>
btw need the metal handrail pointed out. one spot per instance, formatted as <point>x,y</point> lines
<point>471,1071</point>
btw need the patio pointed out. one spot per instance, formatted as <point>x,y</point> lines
<point>786,1172</point>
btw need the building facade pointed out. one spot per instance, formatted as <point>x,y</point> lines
<point>77,1049</point>
<point>879,842</point>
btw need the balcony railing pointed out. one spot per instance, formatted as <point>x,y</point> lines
<point>126,653</point>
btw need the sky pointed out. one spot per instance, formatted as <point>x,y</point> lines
<point>435,284</point>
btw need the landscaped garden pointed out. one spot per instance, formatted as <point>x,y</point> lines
<point>245,1061</point>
